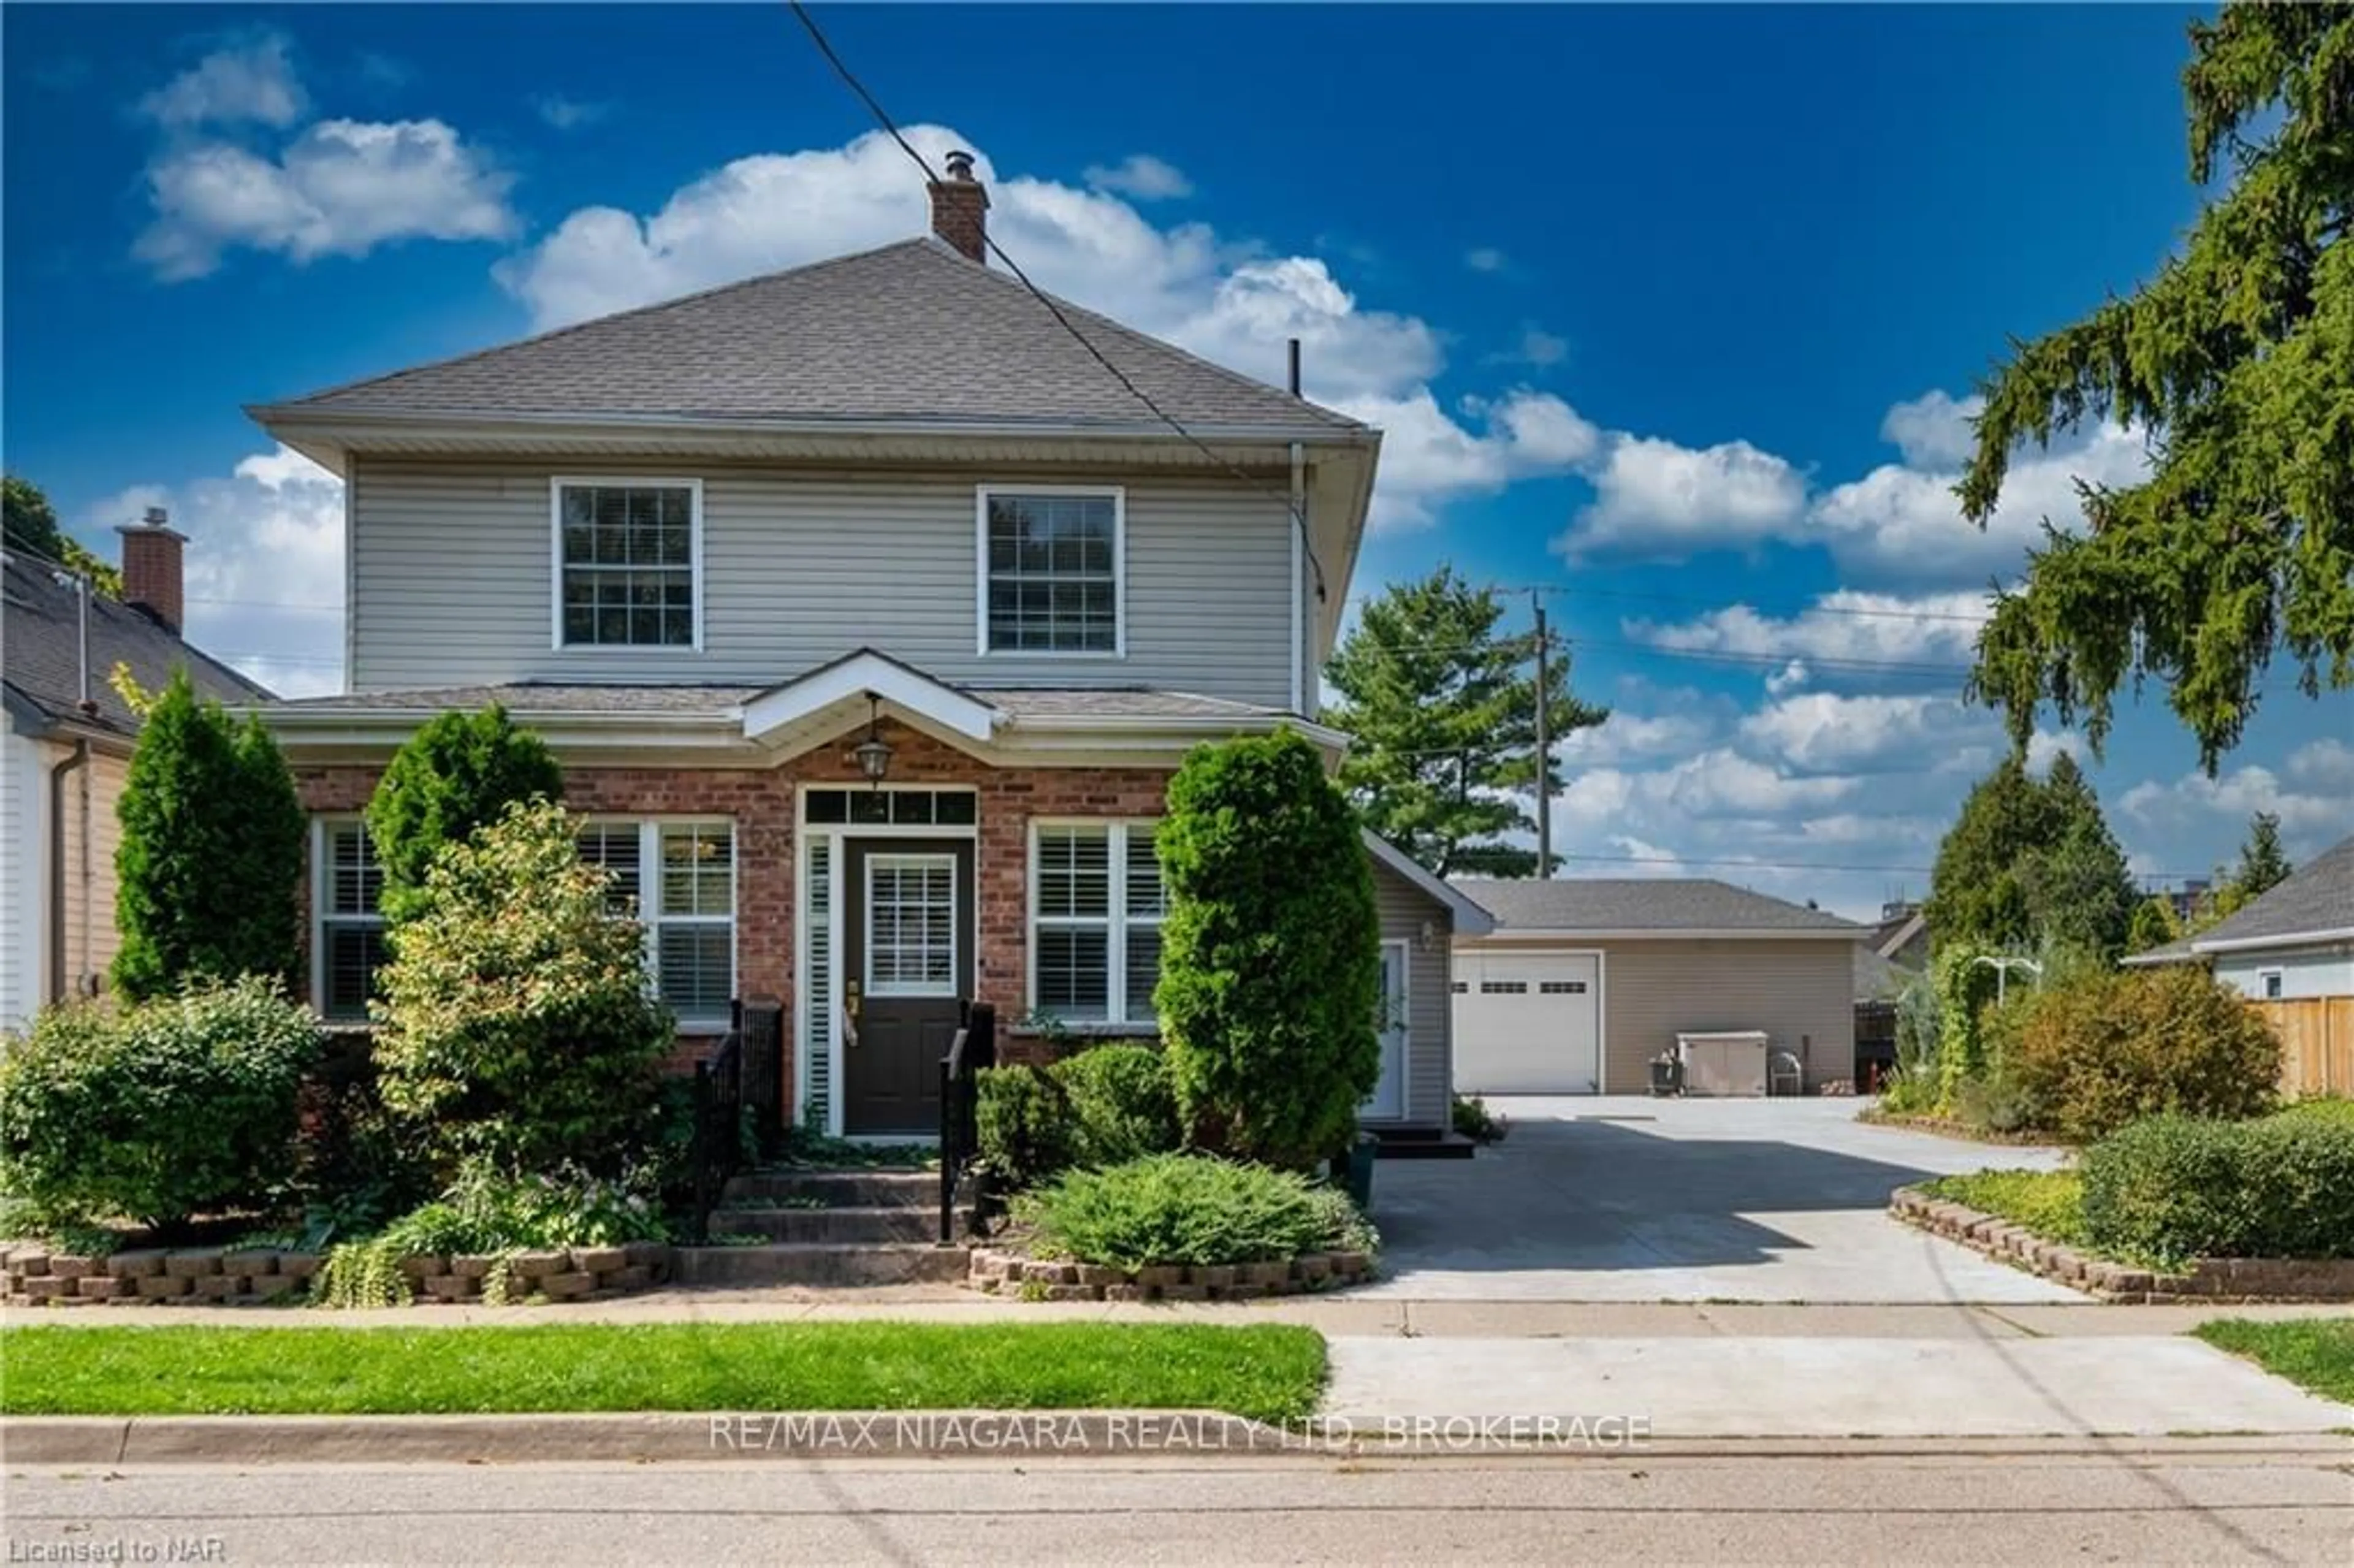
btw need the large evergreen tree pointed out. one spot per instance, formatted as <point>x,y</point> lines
<point>209,871</point>
<point>2031,862</point>
<point>2238,358</point>
<point>2263,865</point>
<point>1443,710</point>
<point>457,775</point>
<point>2080,894</point>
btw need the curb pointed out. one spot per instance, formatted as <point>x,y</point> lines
<point>948,1436</point>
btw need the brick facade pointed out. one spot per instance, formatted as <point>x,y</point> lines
<point>761,801</point>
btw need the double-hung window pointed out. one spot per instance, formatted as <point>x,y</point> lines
<point>1051,562</point>
<point>1096,905</point>
<point>629,564</point>
<point>350,945</point>
<point>678,878</point>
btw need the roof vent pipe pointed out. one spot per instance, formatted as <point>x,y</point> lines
<point>1295,367</point>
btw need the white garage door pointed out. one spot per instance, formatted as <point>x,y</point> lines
<point>1528,1023</point>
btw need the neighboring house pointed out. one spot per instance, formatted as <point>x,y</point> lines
<point>1893,953</point>
<point>869,615</point>
<point>2293,943</point>
<point>67,752</point>
<point>1582,981</point>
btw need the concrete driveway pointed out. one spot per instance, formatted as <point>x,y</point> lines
<point>1608,1199</point>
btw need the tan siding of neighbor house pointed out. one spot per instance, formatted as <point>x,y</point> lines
<point>1429,1070</point>
<point>90,825</point>
<point>454,568</point>
<point>1800,992</point>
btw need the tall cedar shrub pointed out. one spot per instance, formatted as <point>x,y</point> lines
<point>516,1024</point>
<point>209,867</point>
<point>1270,957</point>
<point>2104,1047</point>
<point>155,1112</point>
<point>456,776</point>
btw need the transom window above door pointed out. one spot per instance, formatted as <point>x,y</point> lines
<point>629,563</point>
<point>1051,563</point>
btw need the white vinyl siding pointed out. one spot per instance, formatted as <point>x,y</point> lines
<point>1095,908</point>
<point>453,567</point>
<point>2314,971</point>
<point>688,906</point>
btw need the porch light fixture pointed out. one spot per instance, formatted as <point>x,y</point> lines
<point>874,753</point>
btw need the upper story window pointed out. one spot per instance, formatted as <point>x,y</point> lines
<point>629,563</point>
<point>1051,562</point>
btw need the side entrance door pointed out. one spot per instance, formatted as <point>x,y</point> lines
<point>907,934</point>
<point>1389,1101</point>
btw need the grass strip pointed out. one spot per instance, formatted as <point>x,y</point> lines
<point>1271,1372</point>
<point>2315,1354</point>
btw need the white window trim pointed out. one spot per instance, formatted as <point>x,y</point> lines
<point>1114,923</point>
<point>649,912</point>
<point>556,485</point>
<point>980,499</point>
<point>322,885</point>
<point>2264,980</point>
<point>927,861</point>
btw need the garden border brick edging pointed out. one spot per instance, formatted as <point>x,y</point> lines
<point>998,1272</point>
<point>33,1274</point>
<point>2210,1279</point>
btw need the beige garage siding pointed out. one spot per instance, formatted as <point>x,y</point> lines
<point>91,835</point>
<point>1800,993</point>
<point>1429,1051</point>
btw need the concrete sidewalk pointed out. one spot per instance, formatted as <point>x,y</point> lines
<point>1811,1387</point>
<point>1353,1315</point>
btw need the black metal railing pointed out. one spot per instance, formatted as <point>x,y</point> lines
<point>739,1092</point>
<point>973,1048</point>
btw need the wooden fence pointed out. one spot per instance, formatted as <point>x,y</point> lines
<point>2318,1040</point>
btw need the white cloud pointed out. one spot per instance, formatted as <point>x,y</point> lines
<point>1428,458</point>
<point>252,82</point>
<point>1486,259</point>
<point>1788,678</point>
<point>341,188</point>
<point>264,565</point>
<point>1656,498</point>
<point>1141,176</point>
<point>1933,430</point>
<point>2323,765</point>
<point>564,113</point>
<point>2313,814</point>
<point>1820,731</point>
<point>1536,348</point>
<point>1627,736</point>
<point>1846,624</point>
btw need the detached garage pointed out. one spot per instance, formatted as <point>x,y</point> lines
<point>1582,982</point>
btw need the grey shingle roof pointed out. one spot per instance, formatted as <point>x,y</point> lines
<point>2318,897</point>
<point>912,331</point>
<point>44,651</point>
<point>531,697</point>
<point>1641,904</point>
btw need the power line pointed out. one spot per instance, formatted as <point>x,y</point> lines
<point>883,118</point>
<point>1581,591</point>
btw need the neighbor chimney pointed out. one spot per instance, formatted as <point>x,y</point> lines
<point>961,209</point>
<point>151,567</point>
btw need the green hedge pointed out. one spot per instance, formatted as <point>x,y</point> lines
<point>1191,1209</point>
<point>1107,1105</point>
<point>157,1112</point>
<point>2172,1188</point>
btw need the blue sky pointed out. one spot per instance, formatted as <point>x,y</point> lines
<point>1673,310</point>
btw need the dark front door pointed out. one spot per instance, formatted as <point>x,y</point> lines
<point>907,932</point>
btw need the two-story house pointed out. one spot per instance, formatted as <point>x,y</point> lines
<point>869,614</point>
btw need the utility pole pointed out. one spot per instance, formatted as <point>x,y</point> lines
<point>1544,746</point>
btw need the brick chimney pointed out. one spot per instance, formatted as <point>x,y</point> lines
<point>151,567</point>
<point>961,209</point>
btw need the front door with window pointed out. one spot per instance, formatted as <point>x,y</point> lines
<point>907,934</point>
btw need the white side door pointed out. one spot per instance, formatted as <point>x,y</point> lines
<point>1388,1100</point>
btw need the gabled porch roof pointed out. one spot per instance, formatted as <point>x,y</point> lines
<point>707,726</point>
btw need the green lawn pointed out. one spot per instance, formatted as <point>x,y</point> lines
<point>2315,1352</point>
<point>1272,1372</point>
<point>2049,1202</point>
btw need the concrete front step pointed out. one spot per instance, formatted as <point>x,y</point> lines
<point>838,1188</point>
<point>819,1263</point>
<point>866,1224</point>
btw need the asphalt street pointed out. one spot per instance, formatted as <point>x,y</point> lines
<point>2216,1502</point>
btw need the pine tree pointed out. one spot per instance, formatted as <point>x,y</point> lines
<point>209,868</point>
<point>2263,865</point>
<point>2238,358</point>
<point>1443,710</point>
<point>1977,898</point>
<point>2154,926</point>
<point>2080,894</point>
<point>457,775</point>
